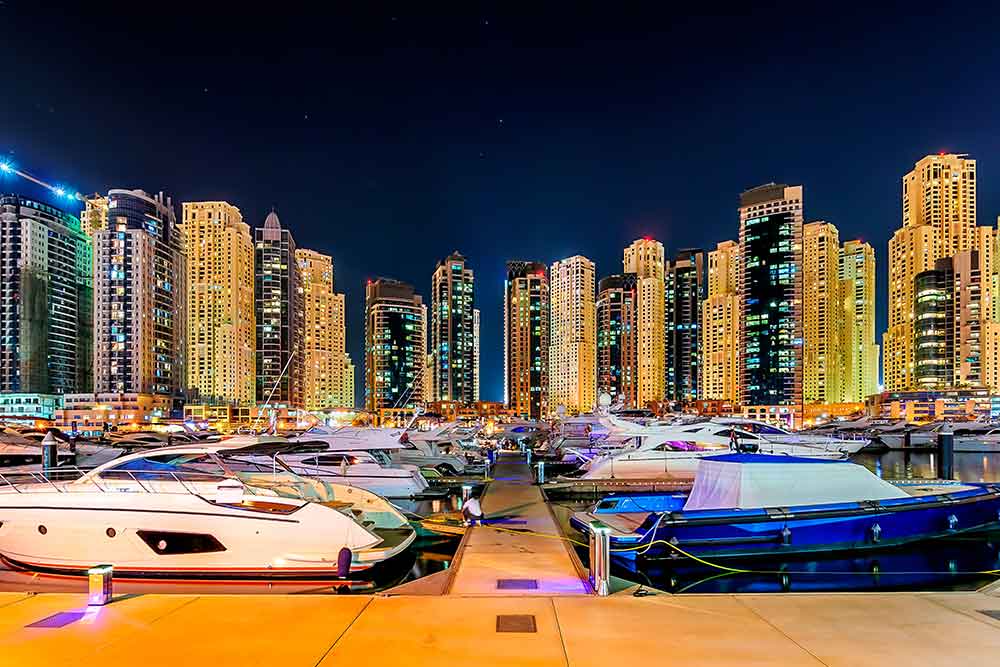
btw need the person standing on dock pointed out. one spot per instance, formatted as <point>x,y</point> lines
<point>472,512</point>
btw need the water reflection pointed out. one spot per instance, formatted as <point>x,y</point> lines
<point>899,464</point>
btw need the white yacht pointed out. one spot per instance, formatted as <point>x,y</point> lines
<point>357,457</point>
<point>673,452</point>
<point>198,510</point>
<point>826,442</point>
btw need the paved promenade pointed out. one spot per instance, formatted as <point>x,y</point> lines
<point>842,630</point>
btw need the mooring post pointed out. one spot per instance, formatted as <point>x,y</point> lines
<point>946,452</point>
<point>527,454</point>
<point>907,435</point>
<point>541,472</point>
<point>100,585</point>
<point>600,557</point>
<point>50,455</point>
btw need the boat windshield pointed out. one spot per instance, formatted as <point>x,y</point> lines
<point>189,467</point>
<point>678,446</point>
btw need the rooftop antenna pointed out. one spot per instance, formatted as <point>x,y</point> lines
<point>274,387</point>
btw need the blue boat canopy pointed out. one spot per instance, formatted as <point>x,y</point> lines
<point>752,481</point>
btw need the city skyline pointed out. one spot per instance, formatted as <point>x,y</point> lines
<point>360,174</point>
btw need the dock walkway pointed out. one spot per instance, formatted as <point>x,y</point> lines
<point>493,562</point>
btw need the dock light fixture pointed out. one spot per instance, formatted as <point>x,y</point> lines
<point>541,472</point>
<point>100,584</point>
<point>466,494</point>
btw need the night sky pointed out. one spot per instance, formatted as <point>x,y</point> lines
<point>390,138</point>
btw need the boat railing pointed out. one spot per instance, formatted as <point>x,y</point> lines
<point>68,479</point>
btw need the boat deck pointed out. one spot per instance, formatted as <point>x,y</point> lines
<point>498,562</point>
<point>841,630</point>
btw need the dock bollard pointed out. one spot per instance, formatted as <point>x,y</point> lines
<point>527,455</point>
<point>100,580</point>
<point>466,494</point>
<point>50,455</point>
<point>541,472</point>
<point>946,452</point>
<point>600,557</point>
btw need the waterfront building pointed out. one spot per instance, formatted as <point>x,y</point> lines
<point>939,220</point>
<point>395,344</point>
<point>453,344</point>
<point>94,215</point>
<point>139,297</point>
<point>617,339</point>
<point>347,380</point>
<point>644,258</point>
<point>922,406</point>
<point>572,335</point>
<point>859,352</point>
<point>526,339</point>
<point>822,314</point>
<point>721,378</point>
<point>93,414</point>
<point>46,300</point>
<point>278,313</point>
<point>28,408</point>
<point>771,218</point>
<point>475,354</point>
<point>685,290</point>
<point>220,303</point>
<point>323,331</point>
<point>343,388</point>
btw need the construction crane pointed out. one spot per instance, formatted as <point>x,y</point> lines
<point>8,168</point>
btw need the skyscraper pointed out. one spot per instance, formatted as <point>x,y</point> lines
<point>685,290</point>
<point>278,307</point>
<point>46,300</point>
<point>939,220</point>
<point>526,339</point>
<point>771,296</point>
<point>859,352</point>
<point>616,338</point>
<point>323,331</point>
<point>475,353</point>
<point>139,288</point>
<point>453,345</point>
<point>822,314</point>
<point>220,307</point>
<point>644,258</point>
<point>572,335</point>
<point>343,388</point>
<point>94,215</point>
<point>721,377</point>
<point>395,344</point>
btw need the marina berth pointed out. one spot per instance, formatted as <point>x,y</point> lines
<point>199,510</point>
<point>765,505</point>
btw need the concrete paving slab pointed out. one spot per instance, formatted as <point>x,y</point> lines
<point>709,630</point>
<point>431,632</point>
<point>850,630</point>
<point>240,630</point>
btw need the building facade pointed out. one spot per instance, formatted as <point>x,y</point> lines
<point>616,307</point>
<point>322,331</point>
<point>46,300</point>
<point>220,303</point>
<point>771,218</point>
<point>453,336</point>
<point>278,315</point>
<point>939,220</point>
<point>645,259</point>
<point>822,314</point>
<point>572,332</point>
<point>475,354</point>
<point>139,297</point>
<point>395,344</point>
<point>859,352</point>
<point>721,378</point>
<point>685,290</point>
<point>526,339</point>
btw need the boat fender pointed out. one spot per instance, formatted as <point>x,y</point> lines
<point>786,535</point>
<point>952,522</point>
<point>876,533</point>
<point>344,563</point>
<point>673,552</point>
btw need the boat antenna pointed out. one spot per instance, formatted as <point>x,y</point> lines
<point>274,387</point>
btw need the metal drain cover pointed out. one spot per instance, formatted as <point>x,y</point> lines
<point>516,623</point>
<point>992,613</point>
<point>517,584</point>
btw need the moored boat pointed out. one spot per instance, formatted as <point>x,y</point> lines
<point>760,505</point>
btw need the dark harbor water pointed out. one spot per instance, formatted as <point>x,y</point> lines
<point>956,563</point>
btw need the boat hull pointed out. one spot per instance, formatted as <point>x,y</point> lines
<point>772,532</point>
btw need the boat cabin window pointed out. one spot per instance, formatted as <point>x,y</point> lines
<point>190,467</point>
<point>764,429</point>
<point>329,460</point>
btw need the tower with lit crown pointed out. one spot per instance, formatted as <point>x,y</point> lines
<point>720,326</point>
<point>572,331</point>
<point>644,258</point>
